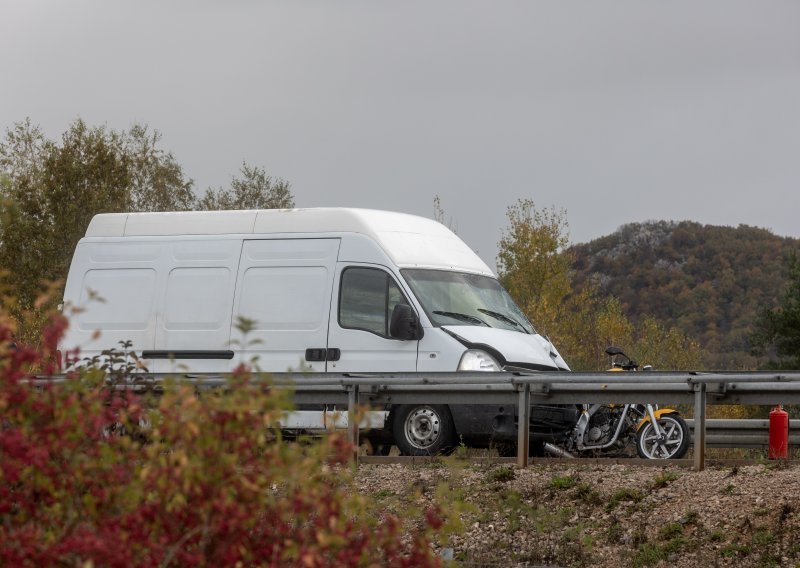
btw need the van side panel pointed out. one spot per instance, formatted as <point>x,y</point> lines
<point>113,286</point>
<point>118,300</point>
<point>195,307</point>
<point>284,291</point>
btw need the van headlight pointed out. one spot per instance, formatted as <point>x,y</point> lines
<point>476,360</point>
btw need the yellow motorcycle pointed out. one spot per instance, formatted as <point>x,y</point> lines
<point>611,429</point>
<point>661,433</point>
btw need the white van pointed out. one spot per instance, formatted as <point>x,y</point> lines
<point>327,289</point>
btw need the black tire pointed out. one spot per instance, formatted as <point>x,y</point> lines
<point>423,430</point>
<point>675,444</point>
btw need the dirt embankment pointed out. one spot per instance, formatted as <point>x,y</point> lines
<point>606,515</point>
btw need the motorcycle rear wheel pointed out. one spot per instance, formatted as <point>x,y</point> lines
<point>676,439</point>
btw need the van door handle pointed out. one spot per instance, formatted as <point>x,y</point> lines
<point>319,354</point>
<point>322,354</point>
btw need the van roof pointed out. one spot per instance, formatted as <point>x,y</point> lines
<point>409,240</point>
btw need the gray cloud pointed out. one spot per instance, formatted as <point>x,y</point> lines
<point>616,111</point>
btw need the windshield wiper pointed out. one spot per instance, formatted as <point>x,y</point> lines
<point>503,317</point>
<point>462,317</point>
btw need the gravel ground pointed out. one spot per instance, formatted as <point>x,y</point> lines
<point>605,515</point>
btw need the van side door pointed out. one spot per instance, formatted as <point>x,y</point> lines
<point>284,292</point>
<point>359,339</point>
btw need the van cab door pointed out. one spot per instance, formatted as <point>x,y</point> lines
<point>359,340</point>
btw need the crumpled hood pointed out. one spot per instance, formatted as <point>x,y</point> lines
<point>520,349</point>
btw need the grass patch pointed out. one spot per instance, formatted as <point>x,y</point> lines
<point>690,518</point>
<point>648,555</point>
<point>384,493</point>
<point>623,495</point>
<point>763,537</point>
<point>670,531</point>
<point>587,494</point>
<point>615,532</point>
<point>563,482</point>
<point>717,536</point>
<point>664,478</point>
<point>502,474</point>
<point>735,549</point>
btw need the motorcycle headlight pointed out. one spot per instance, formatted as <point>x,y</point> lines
<point>476,360</point>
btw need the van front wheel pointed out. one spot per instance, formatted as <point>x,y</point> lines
<point>423,430</point>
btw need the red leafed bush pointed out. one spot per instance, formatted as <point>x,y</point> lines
<point>93,474</point>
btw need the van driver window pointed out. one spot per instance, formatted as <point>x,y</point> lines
<point>366,300</point>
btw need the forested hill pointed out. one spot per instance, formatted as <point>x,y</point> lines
<point>709,281</point>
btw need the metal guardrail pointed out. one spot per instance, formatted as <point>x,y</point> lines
<point>748,433</point>
<point>669,388</point>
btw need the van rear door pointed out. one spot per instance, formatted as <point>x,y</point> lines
<point>284,293</point>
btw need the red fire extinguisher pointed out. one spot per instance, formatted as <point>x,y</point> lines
<point>778,433</point>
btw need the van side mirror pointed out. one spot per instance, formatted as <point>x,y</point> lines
<point>404,323</point>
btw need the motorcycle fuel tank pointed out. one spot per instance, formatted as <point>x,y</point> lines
<point>517,350</point>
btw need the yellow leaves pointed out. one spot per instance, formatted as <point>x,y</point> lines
<point>533,261</point>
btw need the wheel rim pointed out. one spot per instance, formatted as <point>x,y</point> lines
<point>673,439</point>
<point>422,427</point>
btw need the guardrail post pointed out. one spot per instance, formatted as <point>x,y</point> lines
<point>352,419</point>
<point>699,426</point>
<point>523,425</point>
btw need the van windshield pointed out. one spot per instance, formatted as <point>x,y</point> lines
<point>457,298</point>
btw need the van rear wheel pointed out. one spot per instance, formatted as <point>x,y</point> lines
<point>423,430</point>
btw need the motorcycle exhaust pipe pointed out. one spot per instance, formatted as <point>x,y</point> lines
<point>556,451</point>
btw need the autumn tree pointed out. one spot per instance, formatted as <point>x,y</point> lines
<point>535,264</point>
<point>253,190</point>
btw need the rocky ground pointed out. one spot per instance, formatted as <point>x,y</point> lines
<point>605,515</point>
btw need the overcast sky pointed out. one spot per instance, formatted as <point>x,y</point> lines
<point>615,111</point>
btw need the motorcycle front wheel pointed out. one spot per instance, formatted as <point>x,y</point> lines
<point>674,445</point>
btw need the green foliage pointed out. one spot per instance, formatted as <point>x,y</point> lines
<point>254,190</point>
<point>50,190</point>
<point>53,189</point>
<point>780,327</point>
